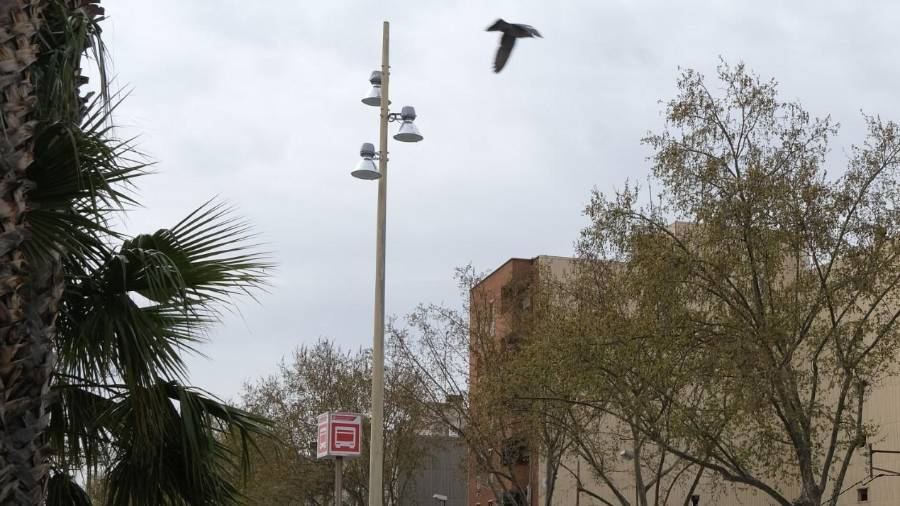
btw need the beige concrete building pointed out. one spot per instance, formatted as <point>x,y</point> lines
<point>505,292</point>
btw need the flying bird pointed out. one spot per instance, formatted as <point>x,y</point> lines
<point>511,32</point>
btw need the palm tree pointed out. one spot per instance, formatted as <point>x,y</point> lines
<point>123,409</point>
<point>93,324</point>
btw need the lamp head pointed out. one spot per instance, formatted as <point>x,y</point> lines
<point>408,131</point>
<point>366,168</point>
<point>374,96</point>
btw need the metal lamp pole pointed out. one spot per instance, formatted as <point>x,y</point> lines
<point>366,169</point>
<point>376,448</point>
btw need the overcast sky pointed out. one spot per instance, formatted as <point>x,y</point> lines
<point>259,103</point>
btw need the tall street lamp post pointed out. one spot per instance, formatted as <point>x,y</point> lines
<point>366,169</point>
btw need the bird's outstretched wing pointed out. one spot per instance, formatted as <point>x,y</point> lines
<point>506,45</point>
<point>532,30</point>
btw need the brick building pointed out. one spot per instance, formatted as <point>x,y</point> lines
<point>500,303</point>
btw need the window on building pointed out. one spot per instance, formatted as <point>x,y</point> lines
<point>862,494</point>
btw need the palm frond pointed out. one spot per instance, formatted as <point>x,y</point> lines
<point>80,177</point>
<point>69,33</point>
<point>80,172</point>
<point>107,335</point>
<point>63,490</point>
<point>214,253</point>
<point>131,316</point>
<point>77,429</point>
<point>176,450</point>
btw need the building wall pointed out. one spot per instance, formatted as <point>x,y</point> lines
<point>883,408</point>
<point>503,298</point>
<point>488,306</point>
<point>443,472</point>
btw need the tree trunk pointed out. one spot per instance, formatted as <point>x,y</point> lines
<point>809,498</point>
<point>29,294</point>
<point>549,477</point>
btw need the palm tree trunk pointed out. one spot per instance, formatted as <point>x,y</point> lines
<point>28,295</point>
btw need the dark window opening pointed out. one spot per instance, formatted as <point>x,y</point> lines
<point>862,495</point>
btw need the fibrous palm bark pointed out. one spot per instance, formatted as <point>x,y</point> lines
<point>29,295</point>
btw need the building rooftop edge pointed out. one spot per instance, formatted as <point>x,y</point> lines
<point>516,259</point>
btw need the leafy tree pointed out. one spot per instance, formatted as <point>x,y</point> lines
<point>471,380</point>
<point>498,391</point>
<point>758,320</point>
<point>552,383</point>
<point>318,379</point>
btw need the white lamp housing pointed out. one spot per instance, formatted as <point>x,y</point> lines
<point>366,168</point>
<point>408,131</point>
<point>374,96</point>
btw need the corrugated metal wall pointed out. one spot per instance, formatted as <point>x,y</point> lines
<point>443,473</point>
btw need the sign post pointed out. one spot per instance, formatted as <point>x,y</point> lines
<point>338,480</point>
<point>339,436</point>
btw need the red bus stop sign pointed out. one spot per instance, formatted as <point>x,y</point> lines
<point>339,435</point>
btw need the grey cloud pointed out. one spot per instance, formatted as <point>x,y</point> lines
<point>259,103</point>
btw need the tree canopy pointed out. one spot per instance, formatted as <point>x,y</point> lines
<point>748,308</point>
<point>320,378</point>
